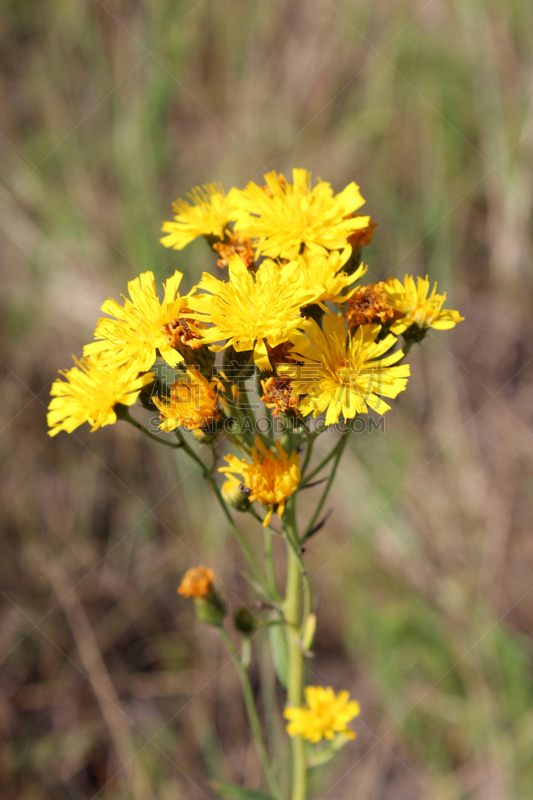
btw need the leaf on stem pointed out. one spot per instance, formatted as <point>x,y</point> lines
<point>318,526</point>
<point>313,483</point>
<point>279,654</point>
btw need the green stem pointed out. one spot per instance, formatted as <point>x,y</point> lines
<point>256,569</point>
<point>340,445</point>
<point>296,656</point>
<point>308,454</point>
<point>238,443</point>
<point>339,451</point>
<point>126,416</point>
<point>253,717</point>
<point>269,558</point>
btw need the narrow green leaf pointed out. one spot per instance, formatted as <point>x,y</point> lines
<point>237,792</point>
<point>279,654</point>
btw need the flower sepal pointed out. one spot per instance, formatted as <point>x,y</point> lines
<point>321,755</point>
<point>414,334</point>
<point>314,311</point>
<point>206,435</point>
<point>200,357</point>
<point>210,609</point>
<point>122,411</point>
<point>236,495</point>
<point>197,583</point>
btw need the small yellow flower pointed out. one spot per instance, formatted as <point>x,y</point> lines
<point>89,394</point>
<point>270,478</point>
<point>193,402</point>
<point>142,325</point>
<point>323,716</point>
<point>285,216</point>
<point>344,375</point>
<point>197,582</point>
<point>251,310</point>
<point>325,270</point>
<point>414,307</point>
<point>209,214</point>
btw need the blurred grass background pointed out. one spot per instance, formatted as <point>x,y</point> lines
<point>112,109</point>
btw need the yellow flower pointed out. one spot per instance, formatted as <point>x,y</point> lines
<point>270,478</point>
<point>285,216</point>
<point>142,326</point>
<point>193,402</point>
<point>89,394</point>
<point>414,307</point>
<point>250,309</point>
<point>323,716</point>
<point>197,582</point>
<point>340,374</point>
<point>325,270</point>
<point>209,214</point>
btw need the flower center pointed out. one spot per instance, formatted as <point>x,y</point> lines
<point>423,313</point>
<point>345,370</point>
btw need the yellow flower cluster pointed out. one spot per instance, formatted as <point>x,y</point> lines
<point>290,305</point>
<point>323,716</point>
<point>290,250</point>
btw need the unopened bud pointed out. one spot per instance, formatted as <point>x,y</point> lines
<point>236,495</point>
<point>244,620</point>
<point>198,584</point>
<point>205,435</point>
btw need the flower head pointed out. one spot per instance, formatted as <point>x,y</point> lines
<point>89,394</point>
<point>193,402</point>
<point>270,478</point>
<point>286,216</point>
<point>344,375</point>
<point>209,214</point>
<point>412,305</point>
<point>234,244</point>
<point>323,716</point>
<point>279,396</point>
<point>141,326</point>
<point>367,305</point>
<point>183,332</point>
<point>197,582</point>
<point>251,310</point>
<point>324,270</point>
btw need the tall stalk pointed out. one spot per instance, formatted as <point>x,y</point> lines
<point>295,655</point>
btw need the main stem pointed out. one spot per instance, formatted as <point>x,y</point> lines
<point>296,657</point>
<point>253,717</point>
